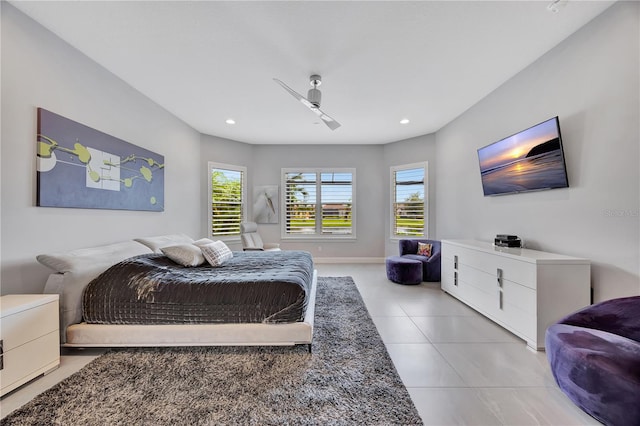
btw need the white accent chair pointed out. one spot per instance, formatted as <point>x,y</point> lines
<point>251,240</point>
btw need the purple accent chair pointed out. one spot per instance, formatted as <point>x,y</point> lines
<point>430,265</point>
<point>595,358</point>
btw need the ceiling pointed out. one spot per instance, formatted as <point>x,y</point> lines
<point>380,61</point>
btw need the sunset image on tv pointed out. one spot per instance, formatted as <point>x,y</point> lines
<point>527,161</point>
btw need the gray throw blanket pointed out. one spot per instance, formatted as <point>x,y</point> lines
<point>252,287</point>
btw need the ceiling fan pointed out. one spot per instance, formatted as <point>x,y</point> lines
<point>312,101</point>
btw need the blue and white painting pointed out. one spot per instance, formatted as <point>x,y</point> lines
<point>81,167</point>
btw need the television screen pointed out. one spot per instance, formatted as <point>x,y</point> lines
<point>529,160</point>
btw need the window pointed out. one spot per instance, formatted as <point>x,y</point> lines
<point>227,189</point>
<point>319,203</point>
<point>408,195</point>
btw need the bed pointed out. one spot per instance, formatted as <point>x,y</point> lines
<point>175,305</point>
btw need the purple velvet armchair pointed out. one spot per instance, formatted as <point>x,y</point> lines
<point>430,265</point>
<point>595,358</point>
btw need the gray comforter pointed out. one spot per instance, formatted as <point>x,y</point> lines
<point>252,287</point>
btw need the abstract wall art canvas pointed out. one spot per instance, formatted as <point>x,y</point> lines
<point>265,204</point>
<point>81,167</point>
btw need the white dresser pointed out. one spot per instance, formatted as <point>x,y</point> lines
<point>524,291</point>
<point>29,331</point>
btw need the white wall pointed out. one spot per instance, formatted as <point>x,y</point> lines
<point>40,70</point>
<point>220,150</point>
<point>591,81</point>
<point>372,163</point>
<point>409,151</point>
<point>268,160</point>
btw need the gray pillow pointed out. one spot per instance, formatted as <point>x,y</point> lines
<point>184,254</point>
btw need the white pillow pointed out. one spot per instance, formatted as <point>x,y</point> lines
<point>184,254</point>
<point>216,253</point>
<point>157,242</point>
<point>80,260</point>
<point>203,242</point>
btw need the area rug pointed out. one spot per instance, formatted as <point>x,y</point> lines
<point>347,379</point>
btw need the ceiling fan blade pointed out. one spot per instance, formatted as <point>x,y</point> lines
<point>295,94</point>
<point>330,122</point>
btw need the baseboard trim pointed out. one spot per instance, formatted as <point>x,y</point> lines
<point>348,259</point>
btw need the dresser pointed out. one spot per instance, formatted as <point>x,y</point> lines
<point>522,290</point>
<point>30,339</point>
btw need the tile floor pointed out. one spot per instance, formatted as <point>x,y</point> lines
<point>459,367</point>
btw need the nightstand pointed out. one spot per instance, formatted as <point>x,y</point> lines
<point>29,338</point>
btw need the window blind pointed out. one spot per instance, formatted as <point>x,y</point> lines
<point>319,203</point>
<point>227,204</point>
<point>408,202</point>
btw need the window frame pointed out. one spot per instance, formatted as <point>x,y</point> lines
<point>243,203</point>
<point>392,193</point>
<point>316,236</point>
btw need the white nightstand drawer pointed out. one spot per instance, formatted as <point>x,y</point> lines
<point>28,361</point>
<point>22,327</point>
<point>30,334</point>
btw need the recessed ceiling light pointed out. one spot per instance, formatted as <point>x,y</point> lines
<point>230,121</point>
<point>404,121</point>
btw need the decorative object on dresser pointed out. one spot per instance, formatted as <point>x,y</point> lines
<point>505,240</point>
<point>524,291</point>
<point>595,358</point>
<point>29,337</point>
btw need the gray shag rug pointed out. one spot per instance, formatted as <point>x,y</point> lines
<point>347,379</point>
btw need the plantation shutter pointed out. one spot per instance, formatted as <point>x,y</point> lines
<point>300,200</point>
<point>226,201</point>
<point>336,197</point>
<point>408,202</point>
<point>319,203</point>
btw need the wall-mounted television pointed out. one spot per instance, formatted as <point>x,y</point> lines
<point>530,160</point>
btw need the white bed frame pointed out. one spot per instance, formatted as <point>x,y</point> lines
<point>76,268</point>
<point>85,335</point>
